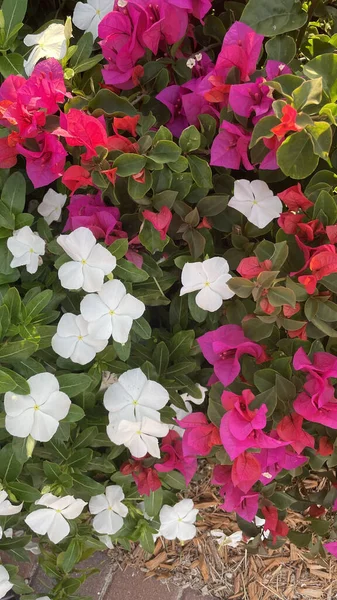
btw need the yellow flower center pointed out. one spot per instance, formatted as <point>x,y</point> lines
<point>111,312</point>
<point>98,12</point>
<point>84,262</point>
<point>31,250</point>
<point>36,407</point>
<point>80,337</point>
<point>135,402</point>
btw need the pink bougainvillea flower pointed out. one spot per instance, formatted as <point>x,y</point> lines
<point>166,23</point>
<point>331,547</point>
<point>198,8</point>
<point>81,129</point>
<point>47,164</point>
<point>126,123</point>
<point>331,231</point>
<point>269,163</point>
<point>273,523</point>
<point>290,429</point>
<point>294,198</point>
<point>274,460</point>
<point>230,147</point>
<point>241,48</point>
<point>290,311</point>
<point>251,267</point>
<point>91,212</point>
<point>76,177</point>
<point>322,364</point>
<point>172,451</point>
<point>309,282</point>
<point>45,88</point>
<point>323,264</point>
<point>274,68</point>
<point>307,404</point>
<point>300,333</point>
<point>160,221</point>
<point>121,44</point>
<point>223,348</point>
<point>288,122</point>
<point>253,97</point>
<point>246,471</point>
<point>172,96</point>
<point>194,100</point>
<point>245,504</point>
<point>200,436</point>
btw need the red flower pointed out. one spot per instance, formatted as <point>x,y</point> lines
<point>126,123</point>
<point>267,308</point>
<point>290,430</point>
<point>251,267</point>
<point>299,333</point>
<point>273,524</point>
<point>288,122</point>
<point>246,471</point>
<point>139,177</point>
<point>111,175</point>
<point>331,231</point>
<point>160,221</point>
<point>294,198</point>
<point>289,311</point>
<point>309,282</point>
<point>323,264</point>
<point>76,177</point>
<point>325,446</point>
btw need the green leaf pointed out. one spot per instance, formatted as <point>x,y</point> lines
<point>71,556</point>
<point>24,492</point>
<point>273,17</point>
<point>282,500</point>
<point>325,208</point>
<point>165,152</point>
<point>180,345</point>
<point>161,357</point>
<point>73,384</point>
<point>190,139</point>
<point>278,296</point>
<point>13,302</point>
<point>14,193</point>
<point>321,137</point>
<point>12,351</point>
<point>310,92</point>
<point>201,171</point>
<point>210,206</point>
<point>7,384</point>
<point>281,48</point>
<point>10,467</point>
<point>127,271</point>
<point>142,328</point>
<point>296,156</point>
<point>37,304</point>
<point>265,379</point>
<point>196,242</point>
<point>263,129</point>
<point>151,238</point>
<point>119,248</point>
<point>129,164</point>
<point>76,413</point>
<point>86,487</point>
<point>83,50</point>
<point>11,64</point>
<point>301,540</point>
<point>109,103</point>
<point>174,479</point>
<point>85,438</point>
<point>242,287</point>
<point>80,458</point>
<point>146,539</point>
<point>153,502</point>
<point>256,330</point>
<point>14,12</point>
<point>324,66</point>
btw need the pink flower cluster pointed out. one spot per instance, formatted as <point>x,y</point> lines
<point>26,108</point>
<point>129,31</point>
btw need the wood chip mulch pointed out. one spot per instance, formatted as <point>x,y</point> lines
<point>287,573</point>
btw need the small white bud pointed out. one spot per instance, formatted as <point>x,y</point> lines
<point>191,63</point>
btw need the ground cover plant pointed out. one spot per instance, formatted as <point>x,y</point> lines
<point>168,274</point>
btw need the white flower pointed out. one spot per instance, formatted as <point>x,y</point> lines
<point>107,380</point>
<point>122,3</point>
<point>256,201</point>
<point>37,414</point>
<point>178,521</point>
<point>90,261</point>
<point>50,43</point>
<point>6,508</point>
<point>52,521</point>
<point>190,63</point>
<point>134,397</point>
<point>140,437</point>
<point>26,247</point>
<point>33,547</point>
<point>259,522</point>
<point>109,510</point>
<point>111,312</point>
<point>51,206</point>
<point>88,16</point>
<point>210,277</point>
<point>232,540</point>
<point>73,341</point>
<point>5,584</point>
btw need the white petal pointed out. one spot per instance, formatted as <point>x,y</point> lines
<point>64,347</point>
<point>101,258</point>
<point>154,395</point>
<point>57,406</point>
<point>74,509</point>
<point>130,306</point>
<point>71,275</point>
<point>121,327</point>
<point>133,381</point>
<point>116,398</point>
<point>78,244</point>
<point>244,207</point>
<point>83,353</point>
<point>220,287</point>
<point>5,586</point>
<point>193,277</point>
<point>151,444</point>
<point>21,425</point>
<point>92,278</point>
<point>83,15</point>
<point>215,267</point>
<point>93,308</point>
<point>15,404</point>
<point>138,447</point>
<point>186,531</point>
<point>112,293</point>
<point>59,529</point>
<point>68,326</point>
<point>33,58</point>
<point>107,522</point>
<point>154,428</point>
<point>44,427</point>
<point>42,386</point>
<point>98,503</point>
<point>102,328</point>
<point>243,190</point>
<point>261,190</point>
<point>209,300</point>
<point>7,508</point>
<point>40,520</point>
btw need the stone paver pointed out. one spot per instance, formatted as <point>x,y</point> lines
<point>131,585</point>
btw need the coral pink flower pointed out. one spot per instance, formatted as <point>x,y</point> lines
<point>200,436</point>
<point>246,471</point>
<point>325,446</point>
<point>8,153</point>
<point>251,267</point>
<point>274,460</point>
<point>76,177</point>
<point>224,347</point>
<point>288,122</point>
<point>294,198</point>
<point>290,429</point>
<point>160,221</point>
